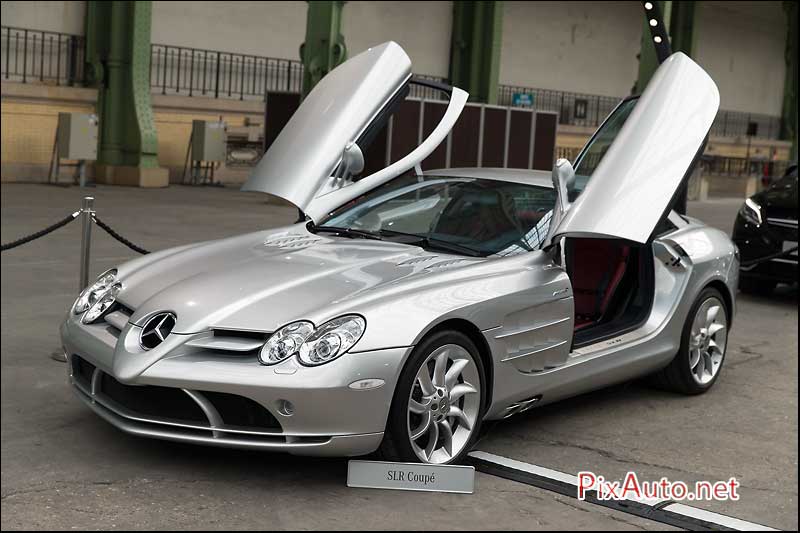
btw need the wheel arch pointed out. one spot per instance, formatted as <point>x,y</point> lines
<point>727,297</point>
<point>474,334</point>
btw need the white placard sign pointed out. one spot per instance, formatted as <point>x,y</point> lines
<point>411,476</point>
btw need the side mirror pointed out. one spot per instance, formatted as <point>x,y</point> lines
<point>563,181</point>
<point>352,162</point>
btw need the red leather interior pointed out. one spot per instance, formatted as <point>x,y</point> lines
<point>596,268</point>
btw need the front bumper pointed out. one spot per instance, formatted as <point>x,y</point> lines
<point>766,241</point>
<point>328,417</point>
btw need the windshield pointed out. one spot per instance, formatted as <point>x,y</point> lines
<point>467,216</point>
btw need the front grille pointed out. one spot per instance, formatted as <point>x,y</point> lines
<point>782,230</point>
<point>240,411</point>
<point>173,406</point>
<point>82,371</point>
<point>150,401</point>
<point>240,334</point>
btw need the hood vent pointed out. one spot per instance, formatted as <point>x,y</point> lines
<point>417,260</point>
<point>292,242</point>
<point>449,263</point>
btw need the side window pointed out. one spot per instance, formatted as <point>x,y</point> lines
<point>591,155</point>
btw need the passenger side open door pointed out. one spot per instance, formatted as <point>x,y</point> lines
<point>633,185</point>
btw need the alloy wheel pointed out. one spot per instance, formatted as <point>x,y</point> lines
<point>444,404</point>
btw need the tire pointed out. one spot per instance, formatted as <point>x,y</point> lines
<point>682,375</point>
<point>462,415</point>
<point>757,286</point>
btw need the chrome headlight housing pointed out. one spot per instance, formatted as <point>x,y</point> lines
<point>102,305</point>
<point>751,212</point>
<point>91,294</point>
<point>332,340</point>
<point>313,347</point>
<point>285,342</point>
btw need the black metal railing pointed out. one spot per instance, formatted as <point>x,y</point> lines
<point>41,56</point>
<point>35,56</point>
<point>198,72</point>
<point>740,124</point>
<point>576,109</point>
<point>742,166</point>
<point>589,110</point>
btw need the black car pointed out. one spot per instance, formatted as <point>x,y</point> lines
<point>766,234</point>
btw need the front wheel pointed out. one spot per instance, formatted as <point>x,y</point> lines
<point>438,403</point>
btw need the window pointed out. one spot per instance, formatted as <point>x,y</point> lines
<point>590,157</point>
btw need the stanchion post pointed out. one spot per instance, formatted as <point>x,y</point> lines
<point>87,210</point>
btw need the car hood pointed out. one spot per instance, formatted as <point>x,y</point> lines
<point>779,201</point>
<point>262,281</point>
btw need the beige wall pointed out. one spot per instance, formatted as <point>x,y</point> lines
<point>64,17</point>
<point>273,29</point>
<point>741,44</point>
<point>586,47</point>
<point>423,29</point>
<point>30,116</point>
<point>277,29</point>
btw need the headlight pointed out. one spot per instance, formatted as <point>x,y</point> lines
<point>285,342</point>
<point>313,346</point>
<point>102,304</point>
<point>331,340</point>
<point>751,211</point>
<point>93,292</point>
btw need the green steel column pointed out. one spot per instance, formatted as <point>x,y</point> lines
<point>789,113</point>
<point>475,49</point>
<point>324,46</point>
<point>681,28</point>
<point>118,61</point>
<point>648,62</point>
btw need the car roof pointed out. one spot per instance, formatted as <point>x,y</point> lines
<point>524,176</point>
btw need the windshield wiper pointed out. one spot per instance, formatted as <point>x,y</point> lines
<point>436,244</point>
<point>345,232</point>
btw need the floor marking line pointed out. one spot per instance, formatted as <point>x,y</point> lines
<point>664,511</point>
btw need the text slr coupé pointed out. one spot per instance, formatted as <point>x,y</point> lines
<point>406,307</point>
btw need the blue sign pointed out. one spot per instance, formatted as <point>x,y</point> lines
<point>522,100</point>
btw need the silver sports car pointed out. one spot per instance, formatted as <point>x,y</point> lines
<point>406,307</point>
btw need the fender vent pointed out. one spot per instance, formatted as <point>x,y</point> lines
<point>520,406</point>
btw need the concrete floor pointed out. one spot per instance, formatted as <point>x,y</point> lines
<point>62,467</point>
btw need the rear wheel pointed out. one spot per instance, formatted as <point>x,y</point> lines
<point>438,403</point>
<point>704,341</point>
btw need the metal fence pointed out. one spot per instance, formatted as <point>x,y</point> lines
<point>197,72</point>
<point>739,124</point>
<point>590,110</point>
<point>742,166</point>
<point>573,108</point>
<point>34,56</point>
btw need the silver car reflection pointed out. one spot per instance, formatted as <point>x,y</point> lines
<point>407,307</point>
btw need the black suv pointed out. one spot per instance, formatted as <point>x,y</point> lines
<point>766,234</point>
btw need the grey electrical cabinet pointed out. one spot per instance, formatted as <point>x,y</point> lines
<point>208,141</point>
<point>77,136</point>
